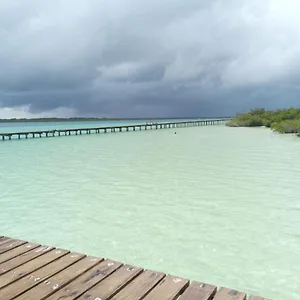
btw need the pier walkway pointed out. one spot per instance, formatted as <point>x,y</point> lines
<point>119,128</point>
<point>29,271</point>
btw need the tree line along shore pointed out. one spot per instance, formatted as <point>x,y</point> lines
<point>281,120</point>
<point>72,119</point>
<point>84,119</point>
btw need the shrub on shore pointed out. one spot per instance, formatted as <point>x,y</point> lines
<point>289,126</point>
<point>282,120</point>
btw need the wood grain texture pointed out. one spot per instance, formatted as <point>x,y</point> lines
<point>199,291</point>
<point>29,271</point>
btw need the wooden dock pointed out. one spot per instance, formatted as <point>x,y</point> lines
<point>29,271</point>
<point>119,128</point>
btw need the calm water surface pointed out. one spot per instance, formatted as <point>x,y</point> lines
<point>35,126</point>
<point>215,204</point>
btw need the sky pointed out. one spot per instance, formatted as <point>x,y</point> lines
<point>158,58</point>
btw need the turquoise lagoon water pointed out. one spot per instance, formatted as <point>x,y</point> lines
<point>35,126</point>
<point>215,204</point>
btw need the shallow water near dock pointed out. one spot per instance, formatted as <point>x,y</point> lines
<point>215,204</point>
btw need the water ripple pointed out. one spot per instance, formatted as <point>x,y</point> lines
<point>215,204</point>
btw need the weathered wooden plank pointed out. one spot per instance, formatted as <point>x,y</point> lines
<point>86,281</point>
<point>140,286</point>
<point>112,284</point>
<point>228,294</point>
<point>59,280</point>
<point>23,258</point>
<point>199,291</point>
<point>38,276</point>
<point>31,266</point>
<point>31,271</point>
<point>17,251</point>
<point>168,289</point>
<point>5,240</point>
<point>11,244</point>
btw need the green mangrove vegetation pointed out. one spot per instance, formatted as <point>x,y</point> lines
<point>281,120</point>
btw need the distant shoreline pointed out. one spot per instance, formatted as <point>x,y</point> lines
<point>78,119</point>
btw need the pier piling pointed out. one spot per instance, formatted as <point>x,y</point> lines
<point>68,132</point>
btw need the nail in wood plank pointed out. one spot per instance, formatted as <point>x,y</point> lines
<point>33,279</point>
<point>199,291</point>
<point>10,244</point>
<point>228,294</point>
<point>86,281</point>
<point>112,284</point>
<point>23,258</point>
<point>140,286</point>
<point>168,289</point>
<point>31,266</point>
<point>17,251</point>
<point>59,280</point>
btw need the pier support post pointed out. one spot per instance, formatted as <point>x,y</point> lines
<point>155,125</point>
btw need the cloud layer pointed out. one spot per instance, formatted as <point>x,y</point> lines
<point>148,58</point>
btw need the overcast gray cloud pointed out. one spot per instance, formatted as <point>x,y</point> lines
<point>148,58</point>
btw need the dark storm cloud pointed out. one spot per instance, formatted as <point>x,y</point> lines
<point>137,58</point>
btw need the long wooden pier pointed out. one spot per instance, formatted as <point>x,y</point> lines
<point>119,128</point>
<point>29,271</point>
